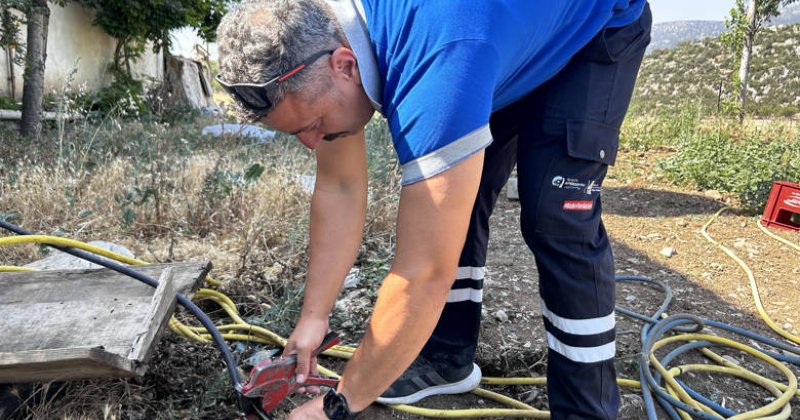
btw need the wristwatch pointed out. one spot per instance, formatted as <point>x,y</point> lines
<point>335,406</point>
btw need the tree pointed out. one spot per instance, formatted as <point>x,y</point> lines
<point>37,18</point>
<point>10,41</point>
<point>134,23</point>
<point>743,25</point>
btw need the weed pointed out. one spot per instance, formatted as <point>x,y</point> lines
<point>661,129</point>
<point>730,158</point>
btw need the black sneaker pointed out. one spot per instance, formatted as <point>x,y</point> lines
<point>425,378</point>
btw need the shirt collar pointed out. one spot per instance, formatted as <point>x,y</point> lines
<point>350,14</point>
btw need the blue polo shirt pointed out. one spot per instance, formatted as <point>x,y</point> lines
<point>443,66</point>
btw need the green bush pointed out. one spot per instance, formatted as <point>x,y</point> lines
<point>663,128</point>
<point>7,102</point>
<point>733,160</point>
<point>124,97</point>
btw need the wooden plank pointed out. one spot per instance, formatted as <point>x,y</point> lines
<point>80,309</point>
<point>63,364</point>
<point>163,304</point>
<point>58,286</point>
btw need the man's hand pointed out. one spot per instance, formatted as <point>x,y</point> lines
<point>306,337</point>
<point>310,410</point>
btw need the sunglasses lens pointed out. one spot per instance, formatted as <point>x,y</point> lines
<point>253,97</point>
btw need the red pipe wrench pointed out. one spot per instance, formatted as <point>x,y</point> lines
<point>272,380</point>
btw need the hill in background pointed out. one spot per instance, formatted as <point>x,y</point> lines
<point>670,34</point>
<point>702,72</point>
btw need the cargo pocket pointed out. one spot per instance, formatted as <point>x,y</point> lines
<point>570,199</point>
<point>593,141</point>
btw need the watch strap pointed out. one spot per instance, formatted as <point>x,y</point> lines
<point>335,406</point>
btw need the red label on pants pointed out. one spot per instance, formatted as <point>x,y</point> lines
<point>578,205</point>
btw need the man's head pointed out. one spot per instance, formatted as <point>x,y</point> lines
<point>287,63</point>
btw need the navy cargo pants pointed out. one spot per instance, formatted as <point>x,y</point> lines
<point>562,137</point>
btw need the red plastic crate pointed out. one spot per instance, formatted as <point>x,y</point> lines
<point>783,206</point>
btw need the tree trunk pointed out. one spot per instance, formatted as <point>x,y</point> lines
<point>12,88</point>
<point>7,21</point>
<point>33,87</point>
<point>118,54</point>
<point>747,51</point>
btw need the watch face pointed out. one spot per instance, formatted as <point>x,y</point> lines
<point>335,406</point>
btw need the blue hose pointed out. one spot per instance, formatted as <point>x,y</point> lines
<point>655,327</point>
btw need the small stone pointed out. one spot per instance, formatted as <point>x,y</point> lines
<point>740,243</point>
<point>354,294</point>
<point>668,251</point>
<point>630,298</point>
<point>512,192</point>
<point>681,223</point>
<point>706,275</point>
<point>788,326</point>
<point>352,280</point>
<point>527,345</point>
<point>307,183</point>
<point>532,396</point>
<point>731,359</point>
<point>501,315</point>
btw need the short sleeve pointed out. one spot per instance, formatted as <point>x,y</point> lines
<point>440,108</point>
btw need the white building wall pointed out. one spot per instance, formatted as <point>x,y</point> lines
<point>74,44</point>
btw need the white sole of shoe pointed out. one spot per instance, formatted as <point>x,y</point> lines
<point>465,385</point>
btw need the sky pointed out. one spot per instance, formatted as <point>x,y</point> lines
<point>663,11</point>
<point>671,10</point>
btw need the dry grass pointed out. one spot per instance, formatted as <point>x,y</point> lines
<point>169,194</point>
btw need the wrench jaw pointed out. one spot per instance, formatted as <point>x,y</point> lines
<point>271,381</point>
<point>273,394</point>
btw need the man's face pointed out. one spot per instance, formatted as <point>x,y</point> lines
<point>342,110</point>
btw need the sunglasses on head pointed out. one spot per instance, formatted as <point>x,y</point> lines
<point>254,95</point>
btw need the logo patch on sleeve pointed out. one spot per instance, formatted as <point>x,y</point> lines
<point>578,205</point>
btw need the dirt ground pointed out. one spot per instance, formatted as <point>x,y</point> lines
<point>642,215</point>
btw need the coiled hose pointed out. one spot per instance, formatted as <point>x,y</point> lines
<point>677,399</point>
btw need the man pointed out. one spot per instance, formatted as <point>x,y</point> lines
<point>469,89</point>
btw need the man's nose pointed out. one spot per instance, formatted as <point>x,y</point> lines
<point>310,139</point>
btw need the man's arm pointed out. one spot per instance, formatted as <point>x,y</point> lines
<point>338,208</point>
<point>432,225</point>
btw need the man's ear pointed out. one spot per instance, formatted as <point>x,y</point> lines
<point>345,65</point>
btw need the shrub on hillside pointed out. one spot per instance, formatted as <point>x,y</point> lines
<point>643,131</point>
<point>736,160</point>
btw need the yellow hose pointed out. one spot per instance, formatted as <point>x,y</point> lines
<point>753,285</point>
<point>782,400</point>
<point>239,330</point>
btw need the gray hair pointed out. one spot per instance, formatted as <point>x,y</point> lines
<point>260,39</point>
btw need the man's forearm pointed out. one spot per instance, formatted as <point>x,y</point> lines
<point>404,317</point>
<point>432,224</point>
<point>337,220</point>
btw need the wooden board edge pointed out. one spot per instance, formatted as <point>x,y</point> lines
<point>63,364</point>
